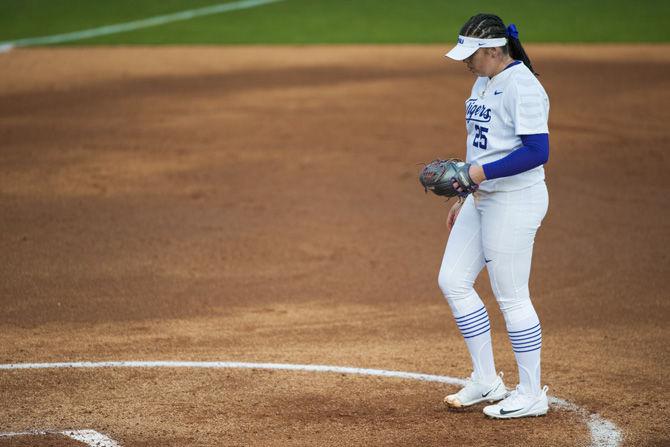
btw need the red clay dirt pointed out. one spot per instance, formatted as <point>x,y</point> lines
<point>28,440</point>
<point>261,204</point>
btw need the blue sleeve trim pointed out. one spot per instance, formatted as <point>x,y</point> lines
<point>533,153</point>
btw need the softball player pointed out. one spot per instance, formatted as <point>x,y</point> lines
<point>507,144</point>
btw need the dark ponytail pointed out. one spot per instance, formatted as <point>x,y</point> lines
<point>490,26</point>
<point>515,48</point>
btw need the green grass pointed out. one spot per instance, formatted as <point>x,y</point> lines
<point>341,21</point>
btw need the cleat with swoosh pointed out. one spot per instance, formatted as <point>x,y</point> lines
<point>519,405</point>
<point>476,391</point>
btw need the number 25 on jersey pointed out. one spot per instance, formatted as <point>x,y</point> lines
<point>480,137</point>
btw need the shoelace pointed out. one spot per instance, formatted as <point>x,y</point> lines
<point>513,397</point>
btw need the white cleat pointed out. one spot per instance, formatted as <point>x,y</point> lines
<point>519,405</point>
<point>476,391</point>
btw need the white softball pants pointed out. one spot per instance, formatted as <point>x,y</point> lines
<point>496,230</point>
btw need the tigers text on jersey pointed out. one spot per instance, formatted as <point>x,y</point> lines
<point>499,109</point>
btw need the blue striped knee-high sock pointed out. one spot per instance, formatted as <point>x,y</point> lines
<point>476,330</point>
<point>527,346</point>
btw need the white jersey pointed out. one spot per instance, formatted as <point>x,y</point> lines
<point>499,109</point>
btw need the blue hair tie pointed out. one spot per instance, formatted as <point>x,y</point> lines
<point>512,31</point>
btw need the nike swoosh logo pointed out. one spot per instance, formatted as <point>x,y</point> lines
<point>487,260</point>
<point>491,390</point>
<point>503,412</point>
<point>480,44</point>
<point>496,93</point>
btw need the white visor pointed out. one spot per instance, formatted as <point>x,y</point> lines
<point>467,46</point>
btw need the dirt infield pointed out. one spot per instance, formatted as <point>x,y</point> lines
<point>261,204</point>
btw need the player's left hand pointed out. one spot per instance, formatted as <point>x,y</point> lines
<point>476,174</point>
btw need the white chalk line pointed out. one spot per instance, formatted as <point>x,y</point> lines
<point>604,433</point>
<point>91,438</point>
<point>134,25</point>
